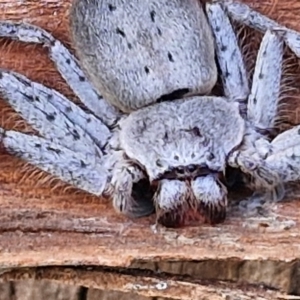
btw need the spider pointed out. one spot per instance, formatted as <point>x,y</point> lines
<point>152,136</point>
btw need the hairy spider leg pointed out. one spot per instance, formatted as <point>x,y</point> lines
<point>53,115</point>
<point>229,56</point>
<point>262,100</point>
<point>68,148</point>
<point>242,13</point>
<point>78,169</point>
<point>66,64</point>
<point>285,155</point>
<point>73,141</point>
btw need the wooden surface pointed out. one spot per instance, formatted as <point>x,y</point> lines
<point>49,230</point>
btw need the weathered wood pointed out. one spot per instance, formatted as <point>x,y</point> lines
<point>49,230</point>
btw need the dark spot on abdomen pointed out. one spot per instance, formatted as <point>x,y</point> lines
<point>152,15</point>
<point>120,32</point>
<point>170,57</point>
<point>172,96</point>
<point>111,7</point>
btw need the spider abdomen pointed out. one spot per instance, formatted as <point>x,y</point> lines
<point>139,52</point>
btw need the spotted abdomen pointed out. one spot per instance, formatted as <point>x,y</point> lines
<point>138,52</point>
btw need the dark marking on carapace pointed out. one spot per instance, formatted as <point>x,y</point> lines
<point>147,70</point>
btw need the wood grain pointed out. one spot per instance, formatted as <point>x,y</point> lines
<point>50,230</point>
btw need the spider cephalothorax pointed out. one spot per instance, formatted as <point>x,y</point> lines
<point>151,140</point>
<point>185,152</point>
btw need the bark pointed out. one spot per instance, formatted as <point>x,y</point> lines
<point>50,231</point>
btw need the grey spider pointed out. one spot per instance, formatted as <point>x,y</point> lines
<point>154,137</point>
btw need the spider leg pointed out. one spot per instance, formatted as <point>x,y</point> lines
<point>285,156</point>
<point>78,169</point>
<point>229,56</point>
<point>66,64</point>
<point>245,15</point>
<point>265,91</point>
<point>265,175</point>
<point>287,139</point>
<point>129,188</point>
<point>261,113</point>
<point>54,116</point>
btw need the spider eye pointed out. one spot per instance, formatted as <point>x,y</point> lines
<point>181,170</point>
<point>211,156</point>
<point>191,168</point>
